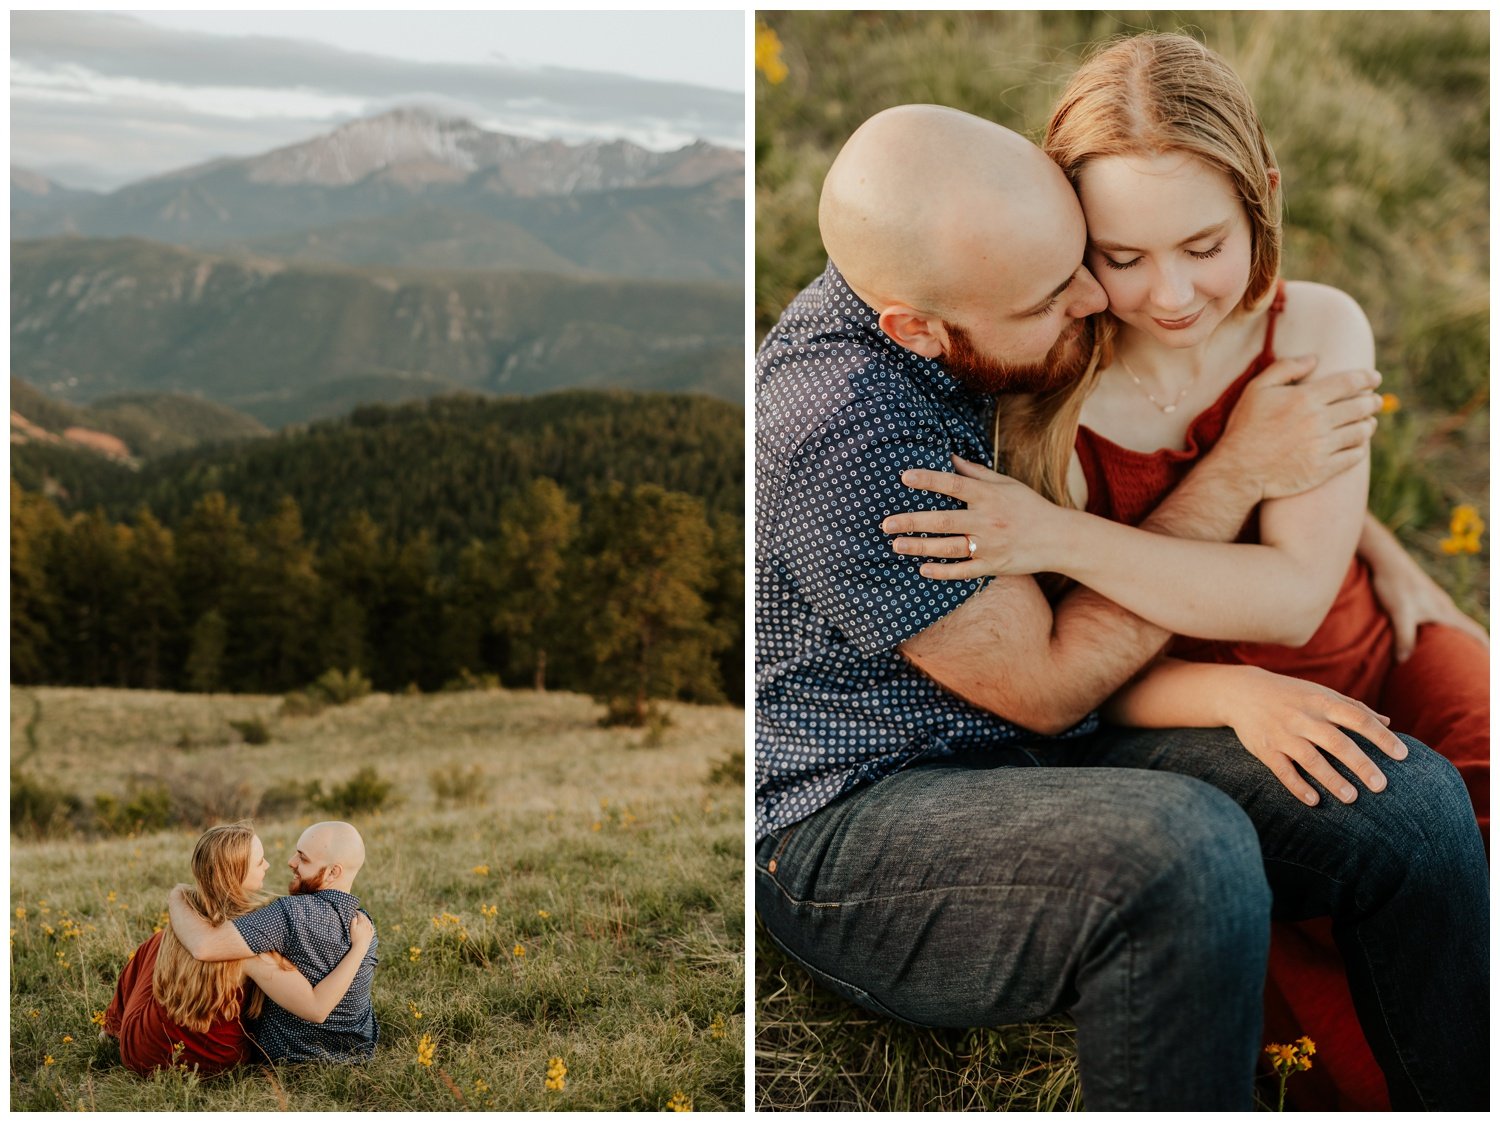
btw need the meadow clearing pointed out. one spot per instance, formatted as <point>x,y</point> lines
<point>543,889</point>
<point>1380,123</point>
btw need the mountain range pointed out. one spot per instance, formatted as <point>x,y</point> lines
<point>397,257</point>
<point>516,202</point>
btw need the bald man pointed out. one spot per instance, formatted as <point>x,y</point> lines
<point>946,833</point>
<point>311,928</point>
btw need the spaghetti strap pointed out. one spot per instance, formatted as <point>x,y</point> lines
<point>1278,305</point>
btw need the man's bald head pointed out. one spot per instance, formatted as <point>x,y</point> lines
<point>329,855</point>
<point>924,203</point>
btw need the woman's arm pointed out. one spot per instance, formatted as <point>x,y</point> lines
<point>1281,721</point>
<point>1408,595</point>
<point>286,986</point>
<point>1276,591</point>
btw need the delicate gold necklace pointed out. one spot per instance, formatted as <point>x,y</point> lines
<point>1172,408</point>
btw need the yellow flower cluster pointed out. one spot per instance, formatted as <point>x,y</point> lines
<point>557,1074</point>
<point>414,953</point>
<point>98,1017</point>
<point>680,1103</point>
<point>541,914</point>
<point>447,919</point>
<point>1464,530</point>
<point>1289,1058</point>
<point>768,55</point>
<point>480,870</point>
<point>426,1049</point>
<point>489,911</point>
<point>716,1028</point>
<point>519,951</point>
<point>1389,403</point>
<point>412,1008</point>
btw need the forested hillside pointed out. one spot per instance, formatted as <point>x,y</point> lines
<point>587,540</point>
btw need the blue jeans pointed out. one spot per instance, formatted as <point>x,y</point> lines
<point>1129,879</point>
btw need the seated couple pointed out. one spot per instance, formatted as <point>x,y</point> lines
<point>979,803</point>
<point>236,978</point>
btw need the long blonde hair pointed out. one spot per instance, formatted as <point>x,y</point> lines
<point>198,995</point>
<point>1148,94</point>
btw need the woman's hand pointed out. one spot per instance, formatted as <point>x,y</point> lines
<point>1287,723</point>
<point>361,932</point>
<point>1012,528</point>
<point>1408,595</point>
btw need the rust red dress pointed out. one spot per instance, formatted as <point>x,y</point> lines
<point>1440,695</point>
<point>147,1035</point>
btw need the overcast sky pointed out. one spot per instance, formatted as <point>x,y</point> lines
<point>99,99</point>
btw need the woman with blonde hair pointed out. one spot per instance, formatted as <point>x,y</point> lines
<point>1181,194</point>
<point>171,1010</point>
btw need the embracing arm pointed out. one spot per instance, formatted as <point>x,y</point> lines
<point>1282,586</point>
<point>204,941</point>
<point>1046,671</point>
<point>286,986</point>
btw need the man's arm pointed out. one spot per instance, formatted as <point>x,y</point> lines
<point>204,941</point>
<point>1005,650</point>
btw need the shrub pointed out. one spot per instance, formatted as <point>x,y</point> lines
<point>340,687</point>
<point>302,703</point>
<point>253,731</point>
<point>467,680</point>
<point>365,791</point>
<point>461,786</point>
<point>284,799</point>
<point>205,796</point>
<point>147,810</point>
<point>730,771</point>
<point>38,810</point>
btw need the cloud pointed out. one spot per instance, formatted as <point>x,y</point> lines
<point>113,98</point>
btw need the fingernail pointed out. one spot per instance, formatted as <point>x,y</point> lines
<point>1348,794</point>
<point>1376,782</point>
<point>1401,750</point>
<point>900,547</point>
<point>1310,799</point>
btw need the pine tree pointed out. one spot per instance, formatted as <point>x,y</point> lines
<point>152,608</point>
<point>35,528</point>
<point>643,613</point>
<point>538,530</point>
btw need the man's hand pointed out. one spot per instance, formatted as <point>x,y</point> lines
<point>201,939</point>
<point>1408,595</point>
<point>1292,432</point>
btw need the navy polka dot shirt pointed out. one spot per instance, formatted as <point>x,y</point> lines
<point>840,412</point>
<point>313,932</point>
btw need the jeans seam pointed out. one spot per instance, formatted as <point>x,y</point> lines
<point>1113,905</point>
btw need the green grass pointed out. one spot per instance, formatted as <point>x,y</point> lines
<point>1380,122</point>
<point>634,976</point>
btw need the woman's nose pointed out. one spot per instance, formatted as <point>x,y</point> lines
<point>1172,290</point>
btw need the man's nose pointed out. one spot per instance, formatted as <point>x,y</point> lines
<point>1089,295</point>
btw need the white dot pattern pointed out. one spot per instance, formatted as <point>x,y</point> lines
<point>840,412</point>
<point>313,932</point>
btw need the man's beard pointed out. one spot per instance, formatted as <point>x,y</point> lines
<point>1065,362</point>
<point>300,887</point>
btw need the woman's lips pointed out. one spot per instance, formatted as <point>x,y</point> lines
<point>1178,324</point>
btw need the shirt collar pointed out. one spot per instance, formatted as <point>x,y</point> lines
<point>838,297</point>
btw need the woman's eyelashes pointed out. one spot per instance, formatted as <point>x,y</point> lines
<point>1200,255</point>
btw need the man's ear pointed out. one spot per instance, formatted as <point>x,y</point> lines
<point>916,331</point>
<point>335,872</point>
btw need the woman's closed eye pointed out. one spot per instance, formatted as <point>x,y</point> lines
<point>1196,254</point>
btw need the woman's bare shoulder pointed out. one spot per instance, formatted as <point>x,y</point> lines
<point>1322,320</point>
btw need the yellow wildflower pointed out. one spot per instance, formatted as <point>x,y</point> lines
<point>519,951</point>
<point>414,953</point>
<point>541,914</point>
<point>716,1029</point>
<point>480,1086</point>
<point>1306,1046</point>
<point>598,826</point>
<point>680,1103</point>
<point>49,1061</point>
<point>768,54</point>
<point>33,1013</point>
<point>415,1012</point>
<point>489,911</point>
<point>1389,403</point>
<point>98,1017</point>
<point>480,870</point>
<point>426,1049</point>
<point>21,913</point>
<point>67,1039</point>
<point>557,1074</point>
<point>111,896</point>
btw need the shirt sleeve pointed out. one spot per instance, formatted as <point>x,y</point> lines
<point>846,480</point>
<point>268,928</point>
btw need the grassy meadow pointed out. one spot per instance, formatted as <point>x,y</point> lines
<point>541,887</point>
<point>1380,123</point>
